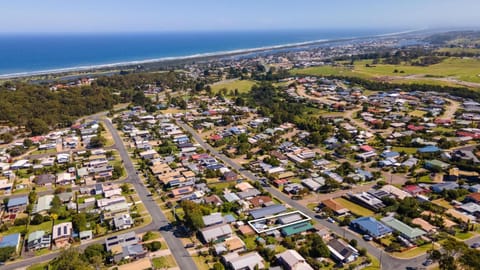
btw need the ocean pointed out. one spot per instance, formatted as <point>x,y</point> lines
<point>33,53</point>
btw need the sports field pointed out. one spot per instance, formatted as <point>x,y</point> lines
<point>451,71</point>
<point>243,86</point>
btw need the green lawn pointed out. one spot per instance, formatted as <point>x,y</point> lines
<point>13,229</point>
<point>443,203</point>
<point>40,152</point>
<point>39,266</point>
<point>408,150</point>
<point>443,129</point>
<point>250,243</point>
<point>417,113</point>
<point>243,86</point>
<point>221,185</point>
<point>375,264</point>
<point>200,262</point>
<point>463,235</point>
<point>164,262</point>
<point>355,208</point>
<point>425,179</point>
<point>45,226</point>
<point>414,252</point>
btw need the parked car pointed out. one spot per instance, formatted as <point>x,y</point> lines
<point>427,262</point>
<point>189,245</point>
<point>475,245</point>
<point>367,237</point>
<point>331,220</point>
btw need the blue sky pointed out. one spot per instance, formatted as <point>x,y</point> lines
<point>193,15</point>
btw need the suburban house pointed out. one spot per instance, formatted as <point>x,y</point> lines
<point>291,260</point>
<point>122,221</point>
<point>125,239</point>
<point>216,233</point>
<point>367,200</point>
<point>62,234</point>
<point>45,180</point>
<point>232,244</point>
<point>406,231</point>
<point>341,251</point>
<point>336,207</point>
<point>247,261</point>
<point>17,205</point>
<point>43,204</point>
<point>268,211</point>
<point>65,178</point>
<point>38,240</point>
<point>125,246</point>
<point>370,226</point>
<point>11,240</point>
<point>213,219</point>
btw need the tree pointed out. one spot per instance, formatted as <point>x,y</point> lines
<point>97,142</point>
<point>318,248</point>
<point>37,126</point>
<point>117,172</point>
<point>70,259</point>
<point>6,253</point>
<point>79,221</point>
<point>147,236</point>
<point>125,188</point>
<point>27,143</point>
<point>447,262</point>
<point>193,214</point>
<point>218,266</point>
<point>93,251</point>
<point>153,246</point>
<point>32,197</point>
<point>37,219</point>
<point>139,98</point>
<point>470,260</point>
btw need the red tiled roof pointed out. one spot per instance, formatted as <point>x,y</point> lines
<point>366,148</point>
<point>415,128</point>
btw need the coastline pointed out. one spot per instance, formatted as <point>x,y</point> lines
<point>216,54</point>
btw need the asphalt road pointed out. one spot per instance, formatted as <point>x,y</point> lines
<point>387,261</point>
<point>183,258</point>
<point>181,255</point>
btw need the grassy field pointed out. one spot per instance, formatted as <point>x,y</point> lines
<point>461,69</point>
<point>408,150</point>
<point>164,262</point>
<point>459,50</point>
<point>243,86</point>
<point>355,208</point>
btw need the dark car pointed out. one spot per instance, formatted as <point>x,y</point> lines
<point>475,245</point>
<point>189,245</point>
